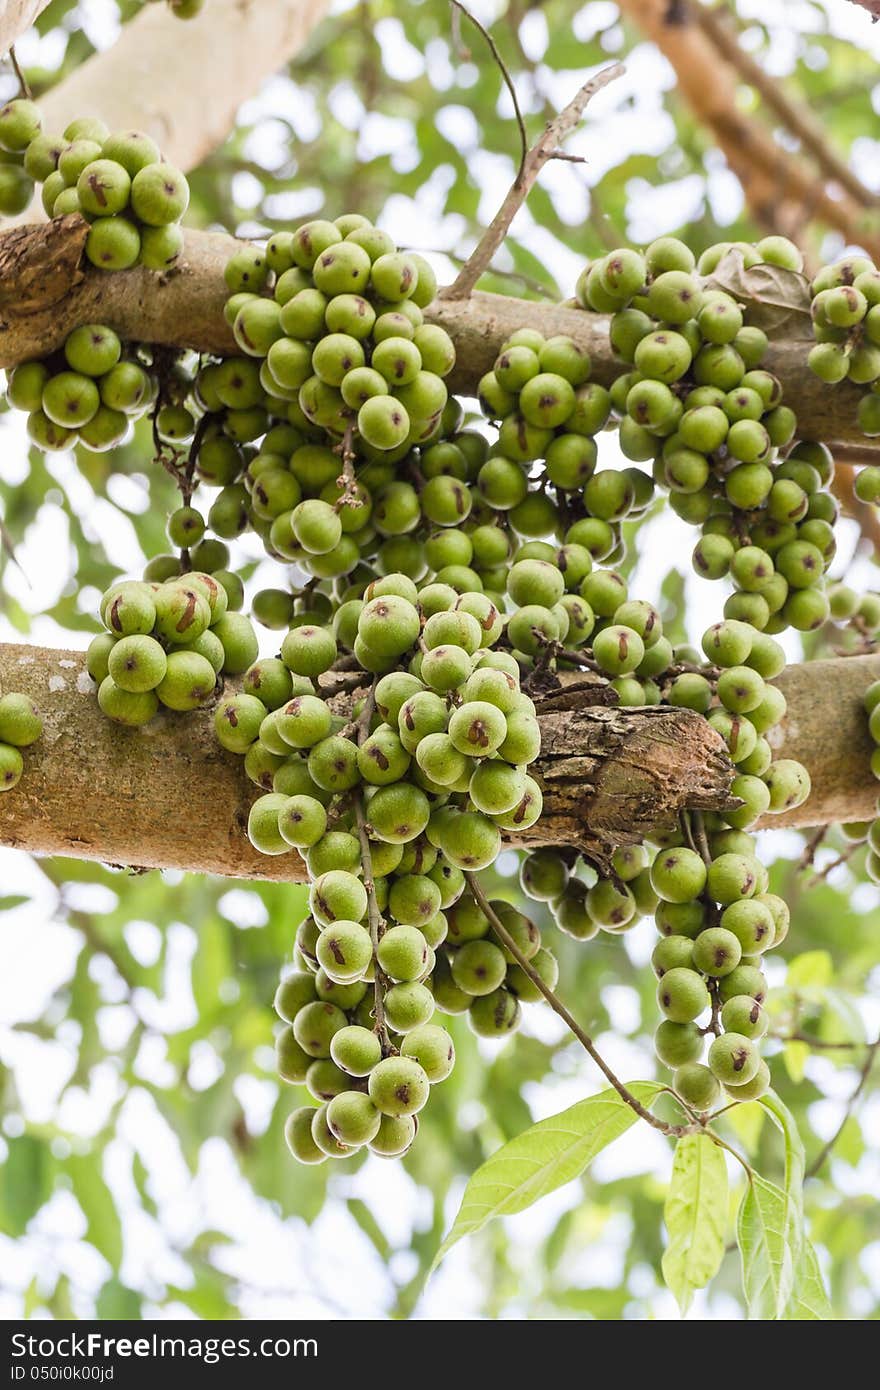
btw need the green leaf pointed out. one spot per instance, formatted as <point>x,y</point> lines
<point>543,1158</point>
<point>370,1227</point>
<point>117,1303</point>
<point>795,1158</point>
<point>771,1224</point>
<point>766,1236</point>
<point>103,1226</point>
<point>809,1301</point>
<point>796,1055</point>
<point>25,1182</point>
<point>811,970</point>
<point>696,1216</point>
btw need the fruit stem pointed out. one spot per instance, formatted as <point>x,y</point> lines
<point>556,1004</point>
<point>374,917</point>
<point>22,80</point>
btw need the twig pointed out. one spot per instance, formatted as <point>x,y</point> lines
<point>865,1072</point>
<point>530,167</point>
<point>347,481</point>
<point>458,10</point>
<point>460,48</point>
<point>557,652</point>
<point>22,80</point>
<point>556,1004</point>
<point>374,917</point>
<point>812,844</point>
<point>723,1144</point>
<point>822,874</point>
<point>528,282</point>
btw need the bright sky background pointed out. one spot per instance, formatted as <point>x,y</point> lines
<point>330,1270</point>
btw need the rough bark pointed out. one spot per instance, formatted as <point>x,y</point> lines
<point>185,309</point>
<point>15,17</point>
<point>168,796</point>
<point>182,81</point>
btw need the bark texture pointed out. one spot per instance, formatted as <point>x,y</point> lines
<point>181,81</point>
<point>168,797</point>
<point>185,309</point>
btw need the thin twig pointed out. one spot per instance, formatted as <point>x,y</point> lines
<point>556,1004</point>
<point>843,858</point>
<point>865,1072</point>
<point>812,844</point>
<point>530,167</point>
<point>347,480</point>
<point>519,277</point>
<point>22,80</point>
<point>722,1144</point>
<point>459,47</point>
<point>505,74</point>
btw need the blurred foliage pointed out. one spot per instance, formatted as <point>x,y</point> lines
<point>159,1034</point>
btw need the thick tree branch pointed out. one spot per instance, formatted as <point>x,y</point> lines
<point>183,83</point>
<point>45,292</point>
<point>168,796</point>
<point>781,190</point>
<point>795,116</point>
<point>15,17</point>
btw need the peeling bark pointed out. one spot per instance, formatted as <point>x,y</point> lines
<point>168,797</point>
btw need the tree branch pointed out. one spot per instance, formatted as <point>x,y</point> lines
<point>530,167</point>
<point>183,83</point>
<point>796,117</point>
<point>168,797</point>
<point>46,291</point>
<point>779,188</point>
